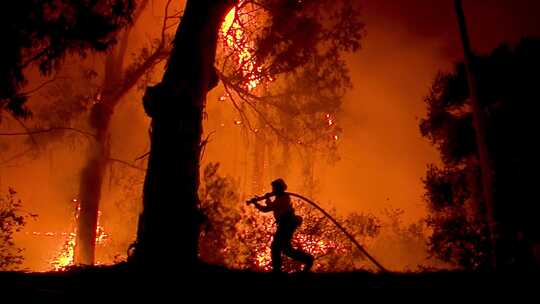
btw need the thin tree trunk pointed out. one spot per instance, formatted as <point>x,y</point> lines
<point>90,194</point>
<point>308,174</point>
<point>485,160</point>
<point>98,155</point>
<point>169,224</point>
<point>114,88</point>
<point>258,161</point>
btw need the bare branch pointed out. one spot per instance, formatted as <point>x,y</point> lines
<point>261,115</point>
<point>126,163</point>
<point>36,57</point>
<point>164,27</point>
<point>16,156</point>
<point>41,86</point>
<point>31,136</point>
<point>52,129</point>
<point>203,144</point>
<point>142,156</point>
<point>159,54</point>
<point>240,111</point>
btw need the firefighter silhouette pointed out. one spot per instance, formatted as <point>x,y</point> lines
<point>287,222</point>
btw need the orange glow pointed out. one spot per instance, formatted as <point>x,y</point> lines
<point>329,120</point>
<point>229,19</point>
<point>236,40</point>
<point>379,136</point>
<point>66,255</point>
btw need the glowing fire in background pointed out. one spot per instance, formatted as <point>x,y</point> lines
<point>67,254</point>
<point>258,236</point>
<point>313,245</point>
<point>65,257</point>
<point>329,120</point>
<point>239,43</point>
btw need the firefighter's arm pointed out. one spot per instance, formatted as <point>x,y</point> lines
<point>264,208</point>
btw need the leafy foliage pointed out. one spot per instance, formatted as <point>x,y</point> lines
<point>282,64</point>
<point>12,220</point>
<point>507,81</point>
<point>44,32</point>
<point>238,236</point>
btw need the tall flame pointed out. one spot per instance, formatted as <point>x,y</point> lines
<point>66,255</point>
<point>237,41</point>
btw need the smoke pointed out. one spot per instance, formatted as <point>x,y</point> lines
<point>47,178</point>
<point>383,156</point>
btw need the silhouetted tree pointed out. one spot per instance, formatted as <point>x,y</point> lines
<point>77,97</point>
<point>12,220</point>
<point>507,83</point>
<point>42,33</point>
<point>117,82</point>
<point>176,106</point>
<point>288,93</point>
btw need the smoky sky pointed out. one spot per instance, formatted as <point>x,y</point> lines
<point>384,157</point>
<point>490,21</point>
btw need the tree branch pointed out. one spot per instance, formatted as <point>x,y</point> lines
<point>142,156</point>
<point>52,129</point>
<point>41,86</point>
<point>125,163</point>
<point>16,156</point>
<point>160,53</point>
<point>27,131</point>
<point>203,144</point>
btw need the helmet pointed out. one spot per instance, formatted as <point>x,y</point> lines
<point>279,184</point>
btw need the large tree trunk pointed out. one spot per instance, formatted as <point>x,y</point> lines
<point>169,224</point>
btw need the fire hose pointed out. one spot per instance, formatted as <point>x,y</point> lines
<point>350,236</point>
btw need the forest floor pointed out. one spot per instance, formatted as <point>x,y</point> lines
<point>122,283</point>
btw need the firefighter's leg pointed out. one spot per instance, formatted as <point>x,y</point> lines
<point>276,249</point>
<point>297,254</point>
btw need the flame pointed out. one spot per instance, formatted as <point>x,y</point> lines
<point>316,247</point>
<point>329,120</point>
<point>66,255</point>
<point>101,235</point>
<point>228,22</point>
<point>236,40</point>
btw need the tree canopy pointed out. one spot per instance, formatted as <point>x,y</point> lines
<point>507,80</point>
<point>283,65</point>
<point>42,33</point>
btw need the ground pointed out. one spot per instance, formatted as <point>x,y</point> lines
<point>124,283</point>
